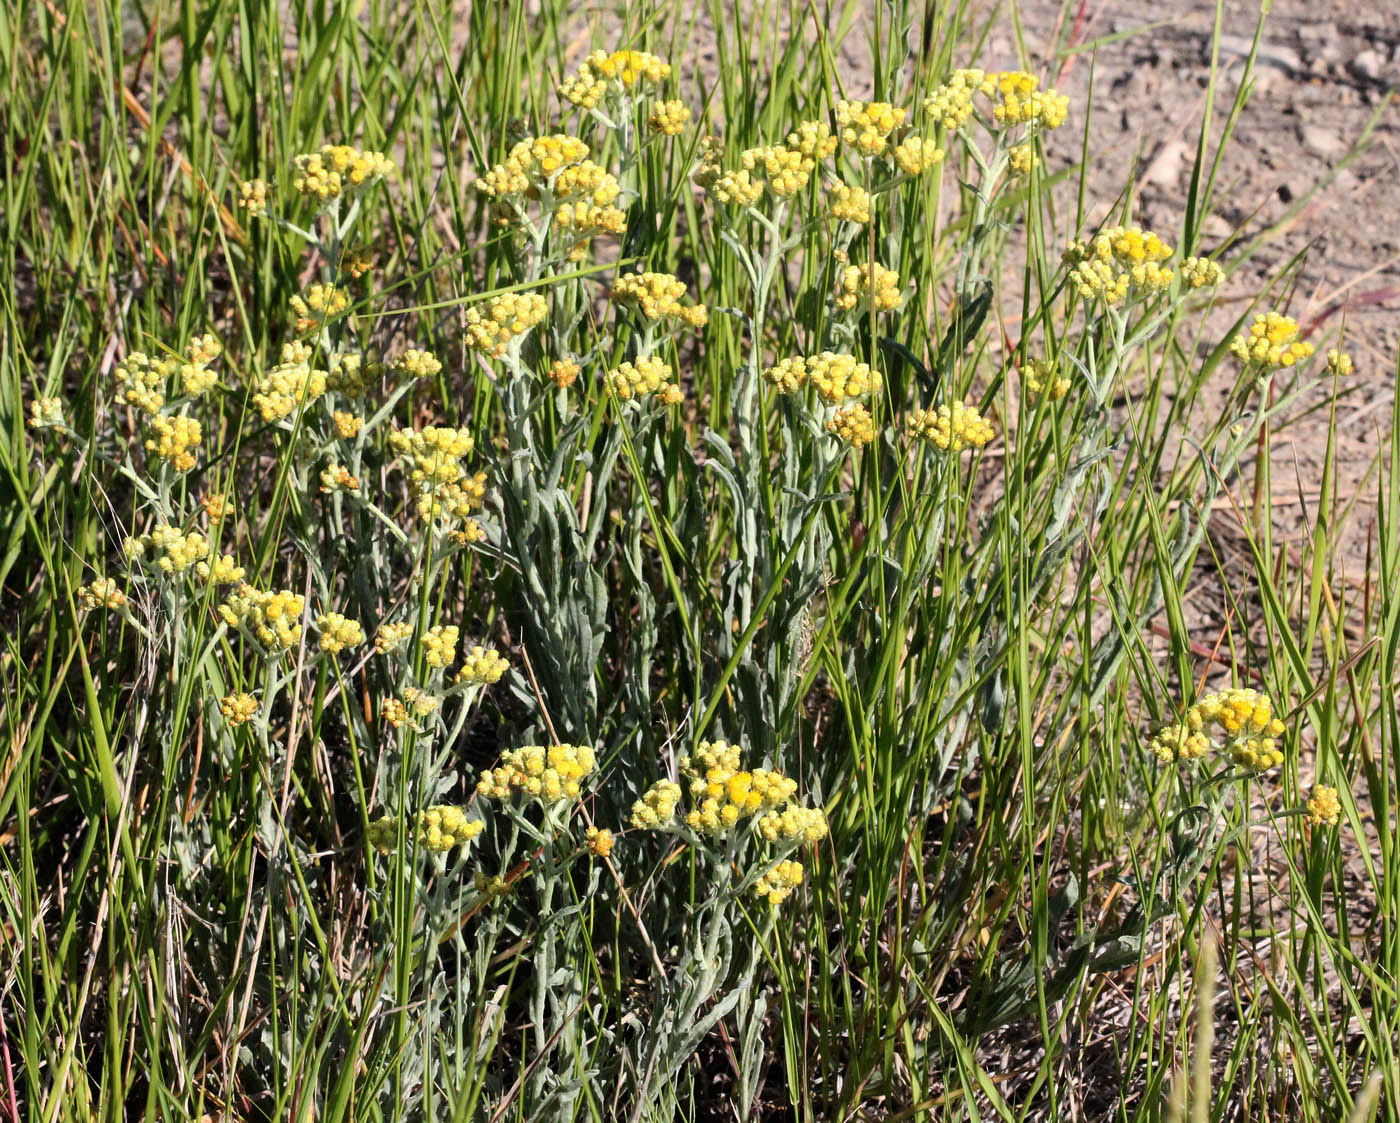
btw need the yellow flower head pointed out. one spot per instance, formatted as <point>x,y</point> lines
<point>952,428</point>
<point>168,549</point>
<point>392,636</point>
<point>1022,159</point>
<point>917,155</point>
<point>1118,259</point>
<point>172,438</point>
<point>492,326</point>
<point>1201,272</point>
<point>551,774</point>
<point>668,118</point>
<point>252,196</point>
<point>616,73</point>
<point>853,425</point>
<point>841,378</point>
<point>849,203</point>
<point>1043,378</point>
<point>141,380</point>
<point>1272,342</point>
<point>868,286</point>
<point>866,126</point>
<point>657,296</point>
<point>1246,719</point>
<point>788,376</point>
<point>648,376</point>
<point>1179,742</point>
<point>440,645</point>
<point>272,618</point>
<point>290,385</point>
<point>482,666</point>
<point>777,884</point>
<point>238,709</point>
<point>45,413</point>
<point>1339,363</point>
<point>437,829</point>
<point>101,593</point>
<point>338,632</point>
<point>599,841</point>
<point>336,169</point>
<point>1323,807</point>
<point>657,806</point>
<point>564,373</point>
<point>417,364</point>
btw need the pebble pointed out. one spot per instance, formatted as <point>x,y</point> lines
<point>1367,65</point>
<point>1321,140</point>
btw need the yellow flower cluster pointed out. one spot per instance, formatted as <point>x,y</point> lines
<point>491,327</point>
<point>736,189</point>
<point>419,702</point>
<point>578,223</point>
<point>668,118</point>
<point>216,508</point>
<point>564,373</point>
<point>225,570</point>
<point>1246,717</point>
<point>440,645</point>
<point>432,456</point>
<point>238,709</point>
<point>722,793</point>
<point>168,550</point>
<point>951,104</point>
<point>338,632</point>
<point>418,364</point>
<point>787,170</point>
<point>45,413</point>
<point>141,380</point>
<point>1117,259</point>
<point>1272,342</point>
<point>101,593</point>
<point>319,304</point>
<point>1339,363</point>
<point>550,774</point>
<point>1179,742</point>
<point>917,155</point>
<point>849,204</point>
<point>272,618</point>
<point>1023,104</point>
<point>1022,159</point>
<point>195,373</point>
<point>336,477</point>
<point>657,806</point>
<point>777,884</point>
<point>619,72</point>
<point>854,425</point>
<point>839,378</point>
<point>866,126</point>
<point>1042,377</point>
<point>338,168</point>
<point>1323,807</point>
<point>171,440</point>
<point>482,666</point>
<point>289,385</point>
<point>438,829</point>
<point>1201,272</point>
<point>347,375</point>
<point>952,428</point>
<point>531,166</point>
<point>252,196</point>
<point>392,636</point>
<point>868,286</point>
<point>647,376</point>
<point>656,296</point>
<point>788,376</point>
<point>794,824</point>
<point>347,425</point>
<point>599,841</point>
<point>813,140</point>
<point>394,712</point>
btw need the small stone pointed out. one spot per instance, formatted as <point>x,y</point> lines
<point>1165,169</point>
<point>1322,140</point>
<point>1367,65</point>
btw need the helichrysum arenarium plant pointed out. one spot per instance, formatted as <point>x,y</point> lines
<point>606,596</point>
